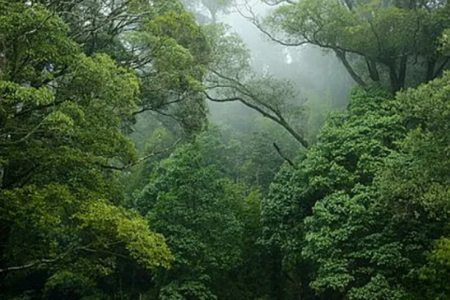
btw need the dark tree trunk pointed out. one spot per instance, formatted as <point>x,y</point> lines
<point>342,57</point>
<point>393,77</point>
<point>431,64</point>
<point>402,72</point>
<point>349,4</point>
<point>397,80</point>
<point>373,70</point>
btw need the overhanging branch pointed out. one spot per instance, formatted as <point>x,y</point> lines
<point>140,160</point>
<point>282,155</point>
<point>277,118</point>
<point>38,262</point>
<point>342,57</point>
<point>255,22</point>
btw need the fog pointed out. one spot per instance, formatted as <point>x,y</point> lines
<point>320,79</point>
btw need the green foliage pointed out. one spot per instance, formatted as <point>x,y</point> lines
<point>31,38</point>
<point>352,259</point>
<point>378,247</point>
<point>386,36</point>
<point>349,152</point>
<point>367,207</point>
<point>211,222</point>
<point>171,56</point>
<point>62,115</point>
<point>420,195</point>
<point>362,214</point>
<point>69,284</point>
<point>154,146</point>
<point>317,109</point>
<point>196,211</point>
<point>436,270</point>
<point>446,42</point>
<point>421,169</point>
<point>158,40</point>
<point>148,248</point>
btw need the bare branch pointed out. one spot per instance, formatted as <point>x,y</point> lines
<point>282,155</point>
<point>277,2</point>
<point>24,138</point>
<point>278,118</point>
<point>258,25</point>
<point>29,265</point>
<point>38,262</point>
<point>140,160</point>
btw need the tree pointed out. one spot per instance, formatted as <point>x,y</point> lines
<point>415,183</point>
<point>231,79</point>
<point>189,203</point>
<point>386,238</point>
<point>395,40</point>
<point>159,40</point>
<point>214,7</point>
<point>62,115</point>
<point>350,150</point>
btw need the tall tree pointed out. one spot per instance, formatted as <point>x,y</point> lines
<point>197,210</point>
<point>388,240</point>
<point>159,40</point>
<point>396,40</point>
<point>61,144</point>
<point>350,149</point>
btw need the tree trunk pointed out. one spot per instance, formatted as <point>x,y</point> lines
<point>393,79</point>
<point>397,80</point>
<point>431,64</point>
<point>342,57</point>
<point>373,70</point>
<point>402,72</point>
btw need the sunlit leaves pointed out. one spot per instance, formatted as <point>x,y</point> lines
<point>112,224</point>
<point>61,129</point>
<point>14,94</point>
<point>435,272</point>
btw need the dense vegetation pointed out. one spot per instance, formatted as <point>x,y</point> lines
<point>115,182</point>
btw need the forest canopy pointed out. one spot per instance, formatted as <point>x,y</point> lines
<point>150,151</point>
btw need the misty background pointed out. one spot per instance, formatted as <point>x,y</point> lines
<point>322,83</point>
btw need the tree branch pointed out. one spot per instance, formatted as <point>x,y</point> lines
<point>29,265</point>
<point>140,160</point>
<point>342,57</point>
<point>282,155</point>
<point>278,118</point>
<point>441,67</point>
<point>38,262</point>
<point>258,25</point>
